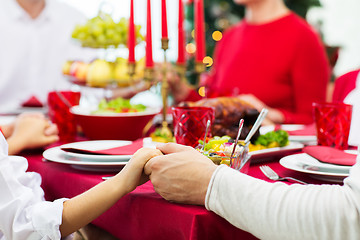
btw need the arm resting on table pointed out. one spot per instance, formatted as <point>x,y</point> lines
<point>280,211</point>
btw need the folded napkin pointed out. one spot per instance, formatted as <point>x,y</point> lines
<point>129,149</point>
<point>32,102</point>
<point>330,155</point>
<point>308,130</point>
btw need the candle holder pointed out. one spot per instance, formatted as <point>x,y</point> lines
<point>149,74</point>
<point>131,71</point>
<point>165,45</point>
<point>199,67</point>
<point>181,70</point>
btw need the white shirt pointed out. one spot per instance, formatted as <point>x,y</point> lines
<point>24,214</point>
<point>32,51</point>
<point>280,211</point>
<point>353,98</point>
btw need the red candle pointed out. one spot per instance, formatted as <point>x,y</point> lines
<point>149,63</point>
<point>164,30</point>
<point>131,37</point>
<point>181,35</point>
<point>199,30</point>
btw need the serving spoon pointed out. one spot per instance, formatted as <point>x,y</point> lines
<point>241,124</point>
<point>256,125</point>
<point>206,132</point>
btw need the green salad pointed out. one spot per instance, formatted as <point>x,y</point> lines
<point>118,105</point>
<point>280,137</point>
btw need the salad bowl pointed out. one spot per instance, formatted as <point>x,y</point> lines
<point>112,126</point>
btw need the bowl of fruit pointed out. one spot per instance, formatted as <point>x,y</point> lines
<point>116,119</point>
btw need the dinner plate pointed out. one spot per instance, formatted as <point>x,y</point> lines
<point>55,154</point>
<point>96,145</point>
<point>307,164</point>
<point>309,139</point>
<point>265,154</point>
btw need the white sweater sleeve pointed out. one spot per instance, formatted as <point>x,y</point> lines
<point>24,214</point>
<point>281,211</point>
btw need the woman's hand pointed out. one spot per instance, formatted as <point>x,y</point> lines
<point>31,131</point>
<point>274,116</point>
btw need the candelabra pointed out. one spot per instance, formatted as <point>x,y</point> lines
<point>165,131</point>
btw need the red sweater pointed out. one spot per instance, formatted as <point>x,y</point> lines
<point>283,63</point>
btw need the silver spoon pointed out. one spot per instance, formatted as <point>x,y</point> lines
<point>256,125</point>
<point>241,124</point>
<point>206,132</point>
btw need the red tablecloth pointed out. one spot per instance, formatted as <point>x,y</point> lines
<point>143,214</point>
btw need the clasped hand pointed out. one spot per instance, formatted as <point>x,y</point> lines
<point>178,173</point>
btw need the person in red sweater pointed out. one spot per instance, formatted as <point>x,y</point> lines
<point>271,59</point>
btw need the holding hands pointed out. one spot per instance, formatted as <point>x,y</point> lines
<point>181,175</point>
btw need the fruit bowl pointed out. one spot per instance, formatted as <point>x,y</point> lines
<point>112,126</point>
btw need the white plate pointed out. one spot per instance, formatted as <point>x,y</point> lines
<point>271,152</point>
<point>291,127</point>
<point>305,163</point>
<point>96,145</point>
<point>55,154</point>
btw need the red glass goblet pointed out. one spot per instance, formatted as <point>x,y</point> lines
<point>332,124</point>
<point>59,104</point>
<point>190,124</point>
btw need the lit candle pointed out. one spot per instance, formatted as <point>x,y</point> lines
<point>131,37</point>
<point>181,36</point>
<point>149,63</point>
<point>199,30</point>
<point>164,30</point>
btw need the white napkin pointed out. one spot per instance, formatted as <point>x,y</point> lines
<point>353,98</point>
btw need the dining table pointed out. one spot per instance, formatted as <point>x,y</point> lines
<point>143,213</point>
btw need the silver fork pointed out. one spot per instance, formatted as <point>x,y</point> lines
<point>271,174</point>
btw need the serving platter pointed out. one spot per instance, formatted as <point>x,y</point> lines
<point>308,139</point>
<point>264,154</point>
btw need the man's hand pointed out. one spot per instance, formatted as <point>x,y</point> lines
<point>182,175</point>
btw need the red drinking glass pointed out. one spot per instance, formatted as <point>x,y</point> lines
<point>59,104</point>
<point>190,124</point>
<point>332,124</point>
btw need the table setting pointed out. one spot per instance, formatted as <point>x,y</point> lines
<point>69,168</point>
<point>97,142</point>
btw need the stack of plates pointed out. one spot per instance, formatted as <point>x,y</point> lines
<point>324,171</point>
<point>89,162</point>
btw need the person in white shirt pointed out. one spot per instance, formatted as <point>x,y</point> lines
<point>353,98</point>
<point>35,42</point>
<point>266,210</point>
<point>26,215</point>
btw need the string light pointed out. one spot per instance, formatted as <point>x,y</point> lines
<point>208,61</point>
<point>201,91</point>
<point>217,35</point>
<point>190,48</point>
<point>193,33</point>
